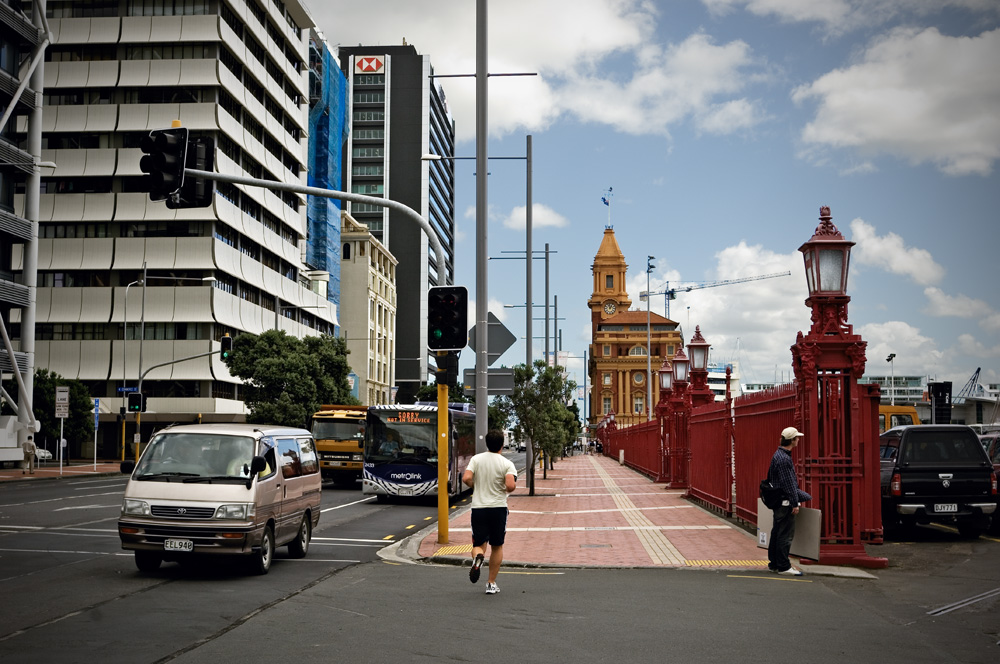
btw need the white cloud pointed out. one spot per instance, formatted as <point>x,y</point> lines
<point>577,55</point>
<point>542,216</point>
<point>969,345</point>
<point>890,253</point>
<point>991,323</point>
<point>917,95</point>
<point>961,306</point>
<point>837,16</point>
<point>916,354</point>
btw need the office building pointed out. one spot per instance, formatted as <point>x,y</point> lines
<point>398,114</point>
<point>127,288</point>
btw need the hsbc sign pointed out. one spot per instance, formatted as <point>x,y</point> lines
<point>368,64</point>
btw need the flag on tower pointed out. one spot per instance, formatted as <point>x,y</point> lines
<point>606,199</point>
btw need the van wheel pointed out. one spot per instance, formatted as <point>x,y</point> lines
<point>299,547</point>
<point>147,561</point>
<point>262,557</point>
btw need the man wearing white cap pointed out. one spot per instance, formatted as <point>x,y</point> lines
<point>782,475</point>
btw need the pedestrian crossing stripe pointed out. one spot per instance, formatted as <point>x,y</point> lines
<point>452,550</point>
<point>726,563</point>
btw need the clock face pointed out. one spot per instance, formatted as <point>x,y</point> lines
<point>609,308</point>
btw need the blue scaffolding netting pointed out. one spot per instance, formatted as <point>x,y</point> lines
<point>327,135</point>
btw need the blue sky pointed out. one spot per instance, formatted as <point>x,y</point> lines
<point>722,127</point>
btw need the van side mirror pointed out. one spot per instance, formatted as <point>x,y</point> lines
<point>258,464</point>
<point>127,467</point>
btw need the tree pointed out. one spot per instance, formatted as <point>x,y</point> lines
<point>538,410</point>
<point>77,428</point>
<point>287,379</point>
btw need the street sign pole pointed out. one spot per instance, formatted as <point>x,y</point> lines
<point>62,412</point>
<point>97,412</point>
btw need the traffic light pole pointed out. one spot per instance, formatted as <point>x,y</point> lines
<point>425,225</point>
<point>138,415</point>
<point>442,431</point>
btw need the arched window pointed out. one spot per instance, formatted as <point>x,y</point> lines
<point>347,252</point>
<point>637,350</point>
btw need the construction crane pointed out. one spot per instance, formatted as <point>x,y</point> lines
<point>671,293</point>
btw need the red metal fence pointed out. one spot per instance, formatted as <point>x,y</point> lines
<point>643,448</point>
<point>712,455</point>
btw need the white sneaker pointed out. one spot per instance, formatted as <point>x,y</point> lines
<point>791,571</point>
<point>492,589</point>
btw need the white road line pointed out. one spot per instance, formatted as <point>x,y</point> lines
<point>337,507</point>
<point>85,507</point>
<point>348,539</point>
<point>962,603</point>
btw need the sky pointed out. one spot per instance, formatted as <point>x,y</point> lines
<point>719,128</point>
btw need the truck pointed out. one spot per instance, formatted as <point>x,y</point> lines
<point>937,473</point>
<point>339,431</point>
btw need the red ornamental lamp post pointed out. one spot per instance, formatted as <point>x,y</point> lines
<point>698,349</point>
<point>666,377</point>
<point>680,407</point>
<point>838,458</point>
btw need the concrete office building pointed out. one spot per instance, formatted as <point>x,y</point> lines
<point>398,113</point>
<point>368,312</point>
<point>21,44</point>
<point>232,70</point>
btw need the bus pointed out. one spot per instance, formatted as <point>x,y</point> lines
<point>401,451</point>
<point>339,432</point>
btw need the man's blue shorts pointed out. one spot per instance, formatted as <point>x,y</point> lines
<point>489,523</point>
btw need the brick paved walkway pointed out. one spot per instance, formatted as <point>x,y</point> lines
<point>591,511</point>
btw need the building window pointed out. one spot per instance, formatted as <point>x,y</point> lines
<point>609,281</point>
<point>607,350</point>
<point>637,404</point>
<point>606,405</point>
<point>638,377</point>
<point>637,350</point>
<point>607,379</point>
<point>347,252</point>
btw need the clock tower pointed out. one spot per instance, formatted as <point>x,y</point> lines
<point>609,296</point>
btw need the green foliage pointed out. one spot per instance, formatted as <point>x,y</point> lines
<point>538,408</point>
<point>455,394</point>
<point>79,426</point>
<point>288,379</point>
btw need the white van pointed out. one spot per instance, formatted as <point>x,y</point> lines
<point>220,489</point>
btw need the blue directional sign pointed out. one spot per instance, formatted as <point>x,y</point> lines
<point>127,389</point>
<point>97,411</point>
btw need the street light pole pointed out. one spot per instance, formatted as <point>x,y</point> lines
<point>482,245</point>
<point>649,350</point>
<point>892,379</point>
<point>125,362</point>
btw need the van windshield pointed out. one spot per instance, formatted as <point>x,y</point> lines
<point>190,456</point>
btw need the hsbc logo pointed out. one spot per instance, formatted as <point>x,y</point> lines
<point>368,64</point>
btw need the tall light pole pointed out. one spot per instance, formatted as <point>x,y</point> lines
<point>649,361</point>
<point>892,379</point>
<point>125,361</point>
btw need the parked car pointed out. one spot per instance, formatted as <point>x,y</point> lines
<point>42,454</point>
<point>991,443</point>
<point>937,473</point>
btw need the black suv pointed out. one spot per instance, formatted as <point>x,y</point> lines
<point>937,472</point>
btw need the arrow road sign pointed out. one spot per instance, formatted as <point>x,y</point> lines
<point>498,339</point>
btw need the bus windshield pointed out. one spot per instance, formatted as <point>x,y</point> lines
<point>338,429</point>
<point>190,456</point>
<point>401,436</point>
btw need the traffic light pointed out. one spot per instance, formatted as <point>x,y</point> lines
<point>227,346</point>
<point>196,192</point>
<point>165,153</point>
<point>136,402</point>
<point>447,368</point>
<point>447,318</point>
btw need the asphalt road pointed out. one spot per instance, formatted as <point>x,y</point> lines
<point>70,594</point>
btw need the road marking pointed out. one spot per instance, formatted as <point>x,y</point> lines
<point>356,502</point>
<point>771,577</point>
<point>84,507</point>
<point>56,500</point>
<point>962,603</point>
<point>621,509</point>
<point>348,539</point>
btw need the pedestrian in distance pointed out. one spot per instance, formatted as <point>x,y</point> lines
<point>781,474</point>
<point>29,450</point>
<point>491,476</point>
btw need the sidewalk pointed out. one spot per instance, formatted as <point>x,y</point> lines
<point>50,470</point>
<point>593,512</point>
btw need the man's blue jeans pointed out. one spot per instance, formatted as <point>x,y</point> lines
<point>782,533</point>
